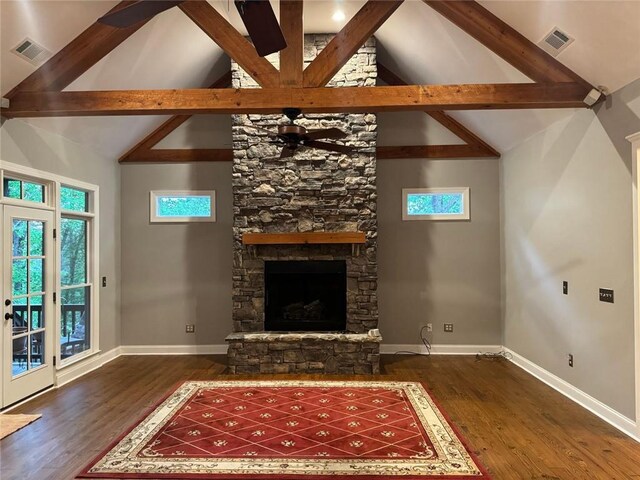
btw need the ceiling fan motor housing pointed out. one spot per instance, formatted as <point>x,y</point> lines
<point>292,133</point>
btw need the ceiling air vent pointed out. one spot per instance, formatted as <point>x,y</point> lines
<point>31,52</point>
<point>555,42</point>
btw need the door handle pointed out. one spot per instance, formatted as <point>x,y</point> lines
<point>7,302</point>
<point>8,316</point>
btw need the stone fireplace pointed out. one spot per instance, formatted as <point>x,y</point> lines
<point>321,321</point>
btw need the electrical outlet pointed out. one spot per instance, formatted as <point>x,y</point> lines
<point>190,328</point>
<point>565,287</point>
<point>571,360</point>
<point>448,327</point>
<point>429,327</point>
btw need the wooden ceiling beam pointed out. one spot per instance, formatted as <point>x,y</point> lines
<point>170,155</point>
<point>292,57</point>
<point>347,41</point>
<point>432,151</point>
<point>309,100</point>
<point>463,132</point>
<point>76,57</point>
<point>454,126</point>
<point>170,125</point>
<point>232,42</point>
<point>506,42</point>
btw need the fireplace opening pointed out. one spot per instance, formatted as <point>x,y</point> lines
<point>305,296</point>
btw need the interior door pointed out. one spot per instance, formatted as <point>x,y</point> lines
<point>27,302</point>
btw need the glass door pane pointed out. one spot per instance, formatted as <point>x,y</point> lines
<point>27,304</point>
<point>27,280</point>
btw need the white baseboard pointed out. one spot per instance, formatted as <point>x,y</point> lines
<point>384,349</point>
<point>174,349</point>
<point>606,413</point>
<point>82,367</point>
<point>439,349</point>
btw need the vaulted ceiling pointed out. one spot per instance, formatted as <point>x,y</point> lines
<point>416,42</point>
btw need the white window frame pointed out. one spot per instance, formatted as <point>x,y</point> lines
<point>635,185</point>
<point>154,194</point>
<point>466,215</point>
<point>53,184</point>
<point>49,189</point>
<point>92,263</point>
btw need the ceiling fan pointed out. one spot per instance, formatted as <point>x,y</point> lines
<point>257,15</point>
<point>292,136</point>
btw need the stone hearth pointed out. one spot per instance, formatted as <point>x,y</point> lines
<point>304,353</point>
<point>314,191</point>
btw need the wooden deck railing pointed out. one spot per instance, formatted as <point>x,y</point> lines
<point>73,320</point>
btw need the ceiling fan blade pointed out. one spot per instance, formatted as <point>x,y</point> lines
<point>325,133</point>
<point>137,12</point>
<point>332,147</point>
<point>262,25</point>
<point>286,152</point>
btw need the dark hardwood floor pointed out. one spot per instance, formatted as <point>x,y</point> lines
<point>520,428</point>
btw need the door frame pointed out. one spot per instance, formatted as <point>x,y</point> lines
<point>635,152</point>
<point>53,183</point>
<point>44,377</point>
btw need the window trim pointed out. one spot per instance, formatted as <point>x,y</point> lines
<point>465,191</point>
<point>154,194</point>
<point>19,174</point>
<point>91,281</point>
<point>53,184</point>
<point>635,170</point>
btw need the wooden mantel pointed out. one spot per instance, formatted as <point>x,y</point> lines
<point>302,238</point>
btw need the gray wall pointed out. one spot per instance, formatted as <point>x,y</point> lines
<point>175,274</point>
<point>439,271</point>
<point>27,145</point>
<point>567,215</point>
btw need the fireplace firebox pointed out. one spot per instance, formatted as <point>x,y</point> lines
<point>305,295</point>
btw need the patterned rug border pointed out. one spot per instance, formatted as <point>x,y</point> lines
<point>85,475</point>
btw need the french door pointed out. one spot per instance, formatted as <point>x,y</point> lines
<point>27,302</point>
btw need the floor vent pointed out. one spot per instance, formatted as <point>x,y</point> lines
<point>555,41</point>
<point>31,52</point>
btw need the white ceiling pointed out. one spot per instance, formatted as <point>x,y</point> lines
<point>416,42</point>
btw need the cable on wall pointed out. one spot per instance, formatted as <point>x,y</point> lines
<point>425,342</point>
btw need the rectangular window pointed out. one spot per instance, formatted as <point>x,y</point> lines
<point>182,206</point>
<point>23,190</point>
<point>75,322</point>
<point>74,200</point>
<point>435,203</point>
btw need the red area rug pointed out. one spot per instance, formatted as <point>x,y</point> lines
<point>291,430</point>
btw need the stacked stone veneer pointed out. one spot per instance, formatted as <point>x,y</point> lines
<point>303,353</point>
<point>314,191</point>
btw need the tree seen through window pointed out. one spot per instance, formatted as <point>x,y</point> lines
<point>184,206</point>
<point>435,204</point>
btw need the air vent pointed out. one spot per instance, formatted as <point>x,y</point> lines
<point>555,42</point>
<point>31,52</point>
